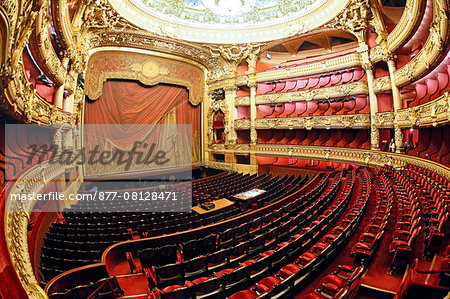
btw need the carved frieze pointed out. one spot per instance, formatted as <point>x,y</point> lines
<point>343,155</point>
<point>242,124</point>
<point>135,66</point>
<point>432,113</point>
<point>355,121</point>
<point>384,119</point>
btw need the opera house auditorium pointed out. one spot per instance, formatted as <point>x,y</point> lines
<point>225,149</point>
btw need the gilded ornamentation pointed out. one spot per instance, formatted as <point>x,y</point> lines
<point>334,64</point>
<point>355,19</point>
<point>432,113</point>
<point>99,14</point>
<point>242,124</point>
<point>344,155</point>
<point>134,66</point>
<point>149,42</point>
<point>361,121</point>
<point>216,106</point>
<point>235,54</point>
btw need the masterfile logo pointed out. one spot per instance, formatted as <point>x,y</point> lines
<point>137,167</point>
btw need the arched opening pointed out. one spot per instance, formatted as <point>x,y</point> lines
<point>219,127</point>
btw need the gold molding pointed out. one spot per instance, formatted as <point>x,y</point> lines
<point>344,155</point>
<point>43,50</point>
<point>433,113</point>
<point>132,39</point>
<point>148,68</point>
<point>354,121</point>
<point>384,120</point>
<point>350,60</point>
<point>427,56</point>
<point>63,26</point>
<point>36,179</point>
<point>21,98</point>
<point>401,31</point>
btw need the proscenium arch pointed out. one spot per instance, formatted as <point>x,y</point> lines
<point>147,67</point>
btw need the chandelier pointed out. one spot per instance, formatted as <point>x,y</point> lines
<point>230,7</point>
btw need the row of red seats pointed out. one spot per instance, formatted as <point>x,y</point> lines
<point>441,181</point>
<point>293,274</point>
<point>433,201</point>
<point>370,238</point>
<point>228,278</point>
<point>408,228</point>
<point>354,105</point>
<point>317,137</point>
<point>312,82</point>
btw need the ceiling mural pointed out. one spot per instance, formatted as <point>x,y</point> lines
<point>228,21</point>
<point>228,12</point>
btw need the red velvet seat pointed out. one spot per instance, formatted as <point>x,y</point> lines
<point>245,294</point>
<point>223,272</point>
<point>266,284</point>
<point>290,269</point>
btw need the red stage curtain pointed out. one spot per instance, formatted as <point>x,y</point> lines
<point>128,102</point>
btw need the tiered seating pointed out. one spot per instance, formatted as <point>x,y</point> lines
<point>293,274</point>
<point>434,204</point>
<point>407,226</point>
<point>369,240</point>
<point>85,235</point>
<point>342,283</point>
<point>285,221</point>
<point>312,82</point>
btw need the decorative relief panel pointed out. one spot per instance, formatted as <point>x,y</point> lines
<point>148,42</point>
<point>384,119</point>
<point>355,121</point>
<point>147,69</point>
<point>242,101</point>
<point>345,155</point>
<point>242,124</point>
<point>429,114</point>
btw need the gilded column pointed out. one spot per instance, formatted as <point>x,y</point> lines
<point>374,132</point>
<point>58,97</point>
<point>253,132</point>
<point>230,95</point>
<point>397,103</point>
<point>69,100</point>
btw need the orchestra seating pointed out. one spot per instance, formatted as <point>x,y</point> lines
<point>83,237</point>
<point>302,228</point>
